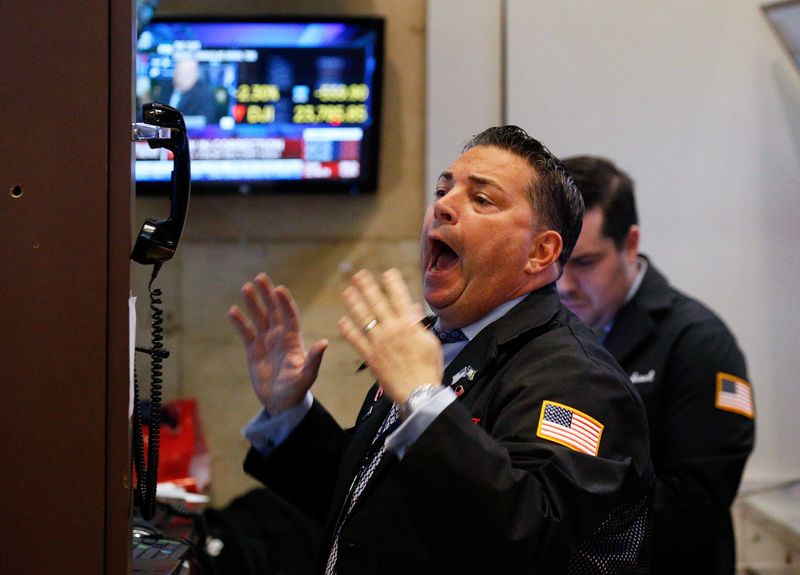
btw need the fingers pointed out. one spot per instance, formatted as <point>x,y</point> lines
<point>242,325</point>
<point>287,310</point>
<point>398,294</point>
<point>357,307</point>
<point>366,300</point>
<point>255,307</point>
<point>417,312</point>
<point>271,307</point>
<point>267,306</point>
<point>267,290</point>
<point>373,296</point>
<point>355,337</point>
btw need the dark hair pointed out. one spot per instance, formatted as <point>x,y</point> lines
<point>603,184</point>
<point>553,195</point>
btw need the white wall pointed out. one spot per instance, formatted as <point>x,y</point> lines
<point>464,74</point>
<point>698,101</point>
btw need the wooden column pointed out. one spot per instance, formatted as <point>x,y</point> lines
<point>65,228</point>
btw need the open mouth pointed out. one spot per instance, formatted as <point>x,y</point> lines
<point>443,257</point>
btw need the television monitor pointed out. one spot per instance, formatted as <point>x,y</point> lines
<point>784,17</point>
<point>270,103</point>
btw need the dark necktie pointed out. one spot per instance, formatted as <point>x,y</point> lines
<point>450,335</point>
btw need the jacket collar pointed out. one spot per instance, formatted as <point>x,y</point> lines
<point>533,312</point>
<point>636,320</point>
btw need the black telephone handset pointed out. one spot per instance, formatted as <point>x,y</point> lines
<point>164,128</point>
<point>157,241</point>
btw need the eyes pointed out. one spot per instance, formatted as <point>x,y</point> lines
<point>478,197</point>
<point>584,262</point>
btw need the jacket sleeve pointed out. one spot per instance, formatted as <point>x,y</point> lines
<point>702,448</point>
<point>304,467</point>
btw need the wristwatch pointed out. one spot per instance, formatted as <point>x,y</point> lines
<point>419,396</point>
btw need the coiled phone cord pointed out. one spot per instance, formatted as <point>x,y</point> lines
<point>147,471</point>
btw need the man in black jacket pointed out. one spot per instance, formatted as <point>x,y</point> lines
<point>191,94</point>
<point>516,445</point>
<point>683,360</point>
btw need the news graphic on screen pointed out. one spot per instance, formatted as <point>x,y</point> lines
<point>284,104</point>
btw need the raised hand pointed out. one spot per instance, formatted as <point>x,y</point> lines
<point>384,328</point>
<point>281,370</point>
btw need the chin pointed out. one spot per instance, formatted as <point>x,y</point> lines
<point>441,308</point>
<point>435,297</point>
<point>436,307</point>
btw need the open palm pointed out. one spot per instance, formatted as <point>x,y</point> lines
<point>281,370</point>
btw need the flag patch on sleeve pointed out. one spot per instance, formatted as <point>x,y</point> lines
<point>734,394</point>
<point>569,427</point>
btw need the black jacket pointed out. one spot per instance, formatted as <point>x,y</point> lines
<point>673,347</point>
<point>200,100</point>
<point>479,492</point>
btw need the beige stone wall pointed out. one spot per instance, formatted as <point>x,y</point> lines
<point>312,244</point>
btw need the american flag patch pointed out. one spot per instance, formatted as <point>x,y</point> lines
<point>569,427</point>
<point>734,394</point>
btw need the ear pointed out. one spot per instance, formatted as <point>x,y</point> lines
<point>545,250</point>
<point>630,246</point>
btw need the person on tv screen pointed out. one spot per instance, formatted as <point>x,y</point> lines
<point>683,360</point>
<point>500,437</point>
<point>191,94</point>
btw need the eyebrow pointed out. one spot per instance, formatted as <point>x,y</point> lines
<point>477,180</point>
<point>585,256</point>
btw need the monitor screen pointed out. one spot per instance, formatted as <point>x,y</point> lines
<point>283,104</point>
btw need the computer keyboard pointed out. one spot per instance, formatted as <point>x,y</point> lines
<point>157,555</point>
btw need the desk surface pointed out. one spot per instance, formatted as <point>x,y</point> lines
<point>779,508</point>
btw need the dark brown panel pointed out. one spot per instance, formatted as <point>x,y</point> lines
<point>55,292</point>
<point>118,468</point>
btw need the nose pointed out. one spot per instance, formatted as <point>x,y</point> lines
<point>443,209</point>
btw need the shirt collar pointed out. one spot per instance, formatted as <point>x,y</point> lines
<point>451,350</point>
<point>637,281</point>
<point>632,291</point>
<point>473,329</point>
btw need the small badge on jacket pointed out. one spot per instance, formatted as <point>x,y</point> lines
<point>468,371</point>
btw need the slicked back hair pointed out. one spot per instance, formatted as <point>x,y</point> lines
<point>602,184</point>
<point>554,198</point>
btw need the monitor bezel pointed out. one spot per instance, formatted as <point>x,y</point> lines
<point>367,181</point>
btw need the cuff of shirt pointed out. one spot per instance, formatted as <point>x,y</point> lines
<point>265,432</point>
<point>408,432</point>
